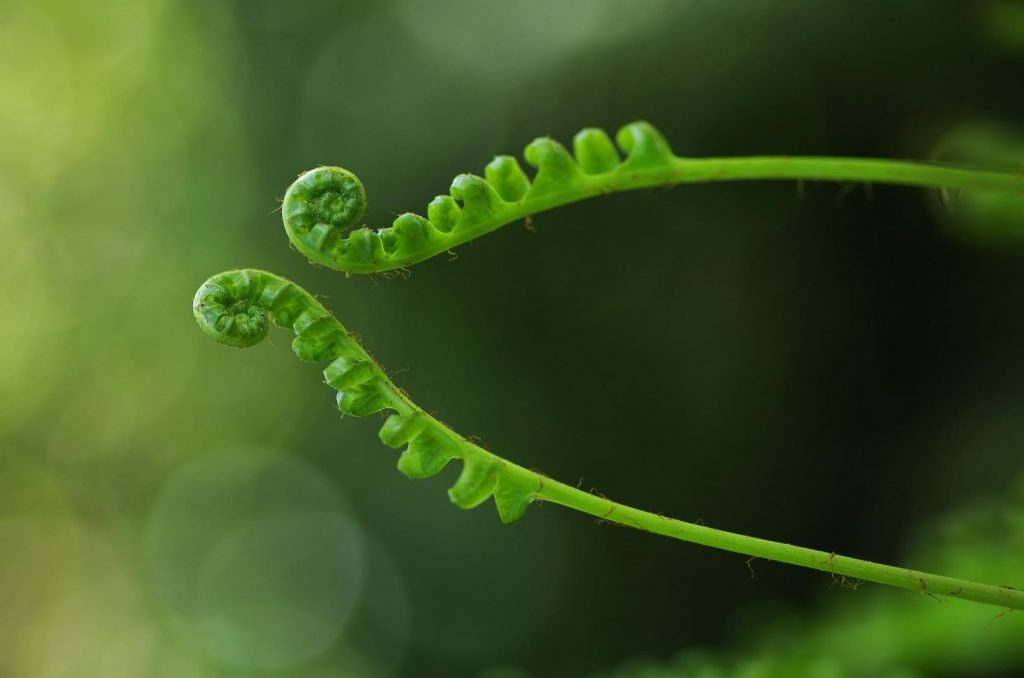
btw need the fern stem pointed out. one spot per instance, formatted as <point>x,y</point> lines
<point>845,569</point>
<point>858,170</point>
<point>323,208</point>
<point>237,307</point>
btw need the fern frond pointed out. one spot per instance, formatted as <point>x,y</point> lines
<point>323,208</point>
<point>237,307</point>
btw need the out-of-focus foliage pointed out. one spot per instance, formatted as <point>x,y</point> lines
<point>992,217</point>
<point>1004,22</point>
<point>829,366</point>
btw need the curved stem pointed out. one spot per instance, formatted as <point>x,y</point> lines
<point>284,296</point>
<point>838,566</point>
<point>852,571</point>
<point>849,569</point>
<point>234,307</point>
<point>682,171</point>
<point>324,203</point>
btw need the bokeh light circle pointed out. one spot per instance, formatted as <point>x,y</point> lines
<point>255,556</point>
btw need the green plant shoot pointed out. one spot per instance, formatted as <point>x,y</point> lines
<point>322,209</point>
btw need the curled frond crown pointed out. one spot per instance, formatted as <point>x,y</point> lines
<point>322,208</point>
<point>237,307</point>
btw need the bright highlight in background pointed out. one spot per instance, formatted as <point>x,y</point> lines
<point>255,556</point>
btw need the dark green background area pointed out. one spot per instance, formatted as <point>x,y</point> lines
<point>831,366</point>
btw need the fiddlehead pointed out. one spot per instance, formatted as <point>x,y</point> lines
<point>236,307</point>
<point>323,207</point>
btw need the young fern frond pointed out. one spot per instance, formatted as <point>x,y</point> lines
<point>323,208</point>
<point>236,308</point>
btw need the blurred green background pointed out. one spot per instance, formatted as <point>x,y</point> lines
<point>824,365</point>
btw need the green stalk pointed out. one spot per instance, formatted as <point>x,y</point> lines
<point>323,207</point>
<point>234,307</point>
<point>851,569</point>
<point>845,569</point>
<point>856,170</point>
